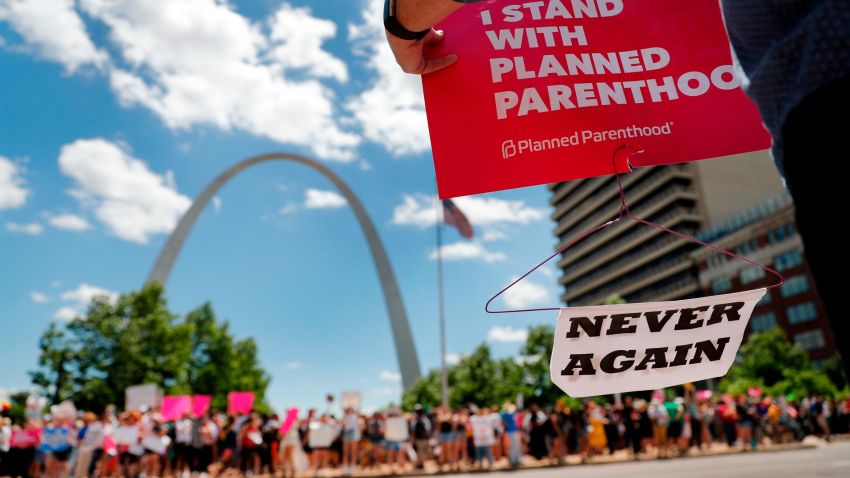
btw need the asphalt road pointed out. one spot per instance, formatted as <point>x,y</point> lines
<point>828,461</point>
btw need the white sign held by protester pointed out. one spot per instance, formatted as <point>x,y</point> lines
<point>351,398</point>
<point>156,444</point>
<point>397,429</point>
<point>127,435</point>
<point>139,396</point>
<point>321,435</point>
<point>607,349</point>
<point>483,433</point>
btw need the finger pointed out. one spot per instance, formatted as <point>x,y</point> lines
<point>437,64</point>
<point>434,36</point>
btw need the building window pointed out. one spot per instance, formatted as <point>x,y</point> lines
<point>721,285</point>
<point>780,233</point>
<point>751,274</point>
<point>762,322</point>
<point>765,299</point>
<point>800,313</point>
<point>795,286</point>
<point>788,260</point>
<point>810,339</point>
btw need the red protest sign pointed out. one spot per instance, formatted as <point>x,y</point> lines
<point>174,407</point>
<point>201,405</point>
<point>240,403</point>
<point>25,438</point>
<point>546,91</point>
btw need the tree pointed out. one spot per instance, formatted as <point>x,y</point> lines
<point>770,360</point>
<point>137,340</point>
<point>218,364</point>
<point>54,358</point>
<point>535,355</point>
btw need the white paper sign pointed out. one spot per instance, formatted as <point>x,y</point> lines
<point>397,429</point>
<point>351,398</point>
<point>322,436</point>
<point>127,435</point>
<point>483,433</point>
<point>607,349</point>
<point>155,444</point>
<point>139,396</point>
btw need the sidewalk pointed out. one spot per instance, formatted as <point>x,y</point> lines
<point>621,456</point>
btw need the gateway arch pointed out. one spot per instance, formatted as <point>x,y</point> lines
<point>405,348</point>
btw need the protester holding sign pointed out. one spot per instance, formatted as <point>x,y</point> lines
<point>57,439</point>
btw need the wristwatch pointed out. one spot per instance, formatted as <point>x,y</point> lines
<point>395,28</point>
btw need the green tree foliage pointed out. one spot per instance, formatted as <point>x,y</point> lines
<point>771,361</point>
<point>137,340</point>
<point>476,379</point>
<point>218,364</point>
<point>768,360</point>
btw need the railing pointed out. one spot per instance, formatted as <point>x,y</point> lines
<point>577,220</point>
<point>634,281</point>
<point>633,238</point>
<point>625,263</point>
<point>644,210</point>
<point>665,292</point>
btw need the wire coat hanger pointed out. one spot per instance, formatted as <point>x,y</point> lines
<point>625,213</point>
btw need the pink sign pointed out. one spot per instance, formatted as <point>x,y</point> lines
<point>201,404</point>
<point>109,446</point>
<point>25,438</point>
<point>704,395</point>
<point>754,392</point>
<point>174,407</point>
<point>289,421</point>
<point>240,403</point>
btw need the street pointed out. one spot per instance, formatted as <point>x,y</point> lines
<point>830,461</point>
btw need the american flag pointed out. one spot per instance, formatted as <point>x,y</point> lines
<point>454,217</point>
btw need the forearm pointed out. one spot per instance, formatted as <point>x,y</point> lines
<point>418,15</point>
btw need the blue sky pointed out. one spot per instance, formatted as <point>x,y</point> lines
<point>116,113</point>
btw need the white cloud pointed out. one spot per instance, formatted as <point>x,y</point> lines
<point>526,294</point>
<point>491,235</point>
<point>419,210</point>
<point>318,199</point>
<point>200,63</point>
<point>466,250</point>
<point>133,202</point>
<point>416,210</point>
<point>453,359</point>
<point>66,314</point>
<point>216,202</point>
<point>12,191</point>
<point>386,392</point>
<point>298,37</point>
<point>32,228</point>
<point>392,111</point>
<point>288,208</point>
<point>53,30</point>
<point>389,376</point>
<point>68,222</point>
<point>80,298</point>
<point>84,293</point>
<point>38,297</point>
<point>294,365</point>
<point>506,335</point>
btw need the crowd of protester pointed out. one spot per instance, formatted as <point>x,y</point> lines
<point>86,445</point>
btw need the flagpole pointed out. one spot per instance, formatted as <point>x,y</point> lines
<point>444,376</point>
